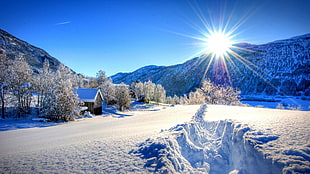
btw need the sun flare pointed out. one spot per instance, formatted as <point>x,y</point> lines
<point>218,44</point>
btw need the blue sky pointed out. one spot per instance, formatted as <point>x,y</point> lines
<point>124,35</point>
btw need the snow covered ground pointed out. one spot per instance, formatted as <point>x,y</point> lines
<point>287,102</point>
<point>230,139</point>
<point>195,139</point>
<point>91,145</point>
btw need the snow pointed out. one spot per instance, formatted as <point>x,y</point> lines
<point>179,139</point>
<point>288,102</point>
<point>228,139</point>
<point>89,145</point>
<point>87,95</point>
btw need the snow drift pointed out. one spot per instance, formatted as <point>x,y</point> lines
<point>221,146</point>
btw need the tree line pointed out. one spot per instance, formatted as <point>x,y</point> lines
<point>55,98</point>
<point>52,95</point>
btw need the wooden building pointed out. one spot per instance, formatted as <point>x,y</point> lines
<point>92,99</point>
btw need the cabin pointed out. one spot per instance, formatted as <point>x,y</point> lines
<point>92,99</point>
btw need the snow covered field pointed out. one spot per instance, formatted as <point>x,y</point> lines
<point>92,145</point>
<point>212,139</point>
<point>287,102</point>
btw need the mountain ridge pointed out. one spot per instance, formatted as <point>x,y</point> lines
<point>35,56</point>
<point>279,67</point>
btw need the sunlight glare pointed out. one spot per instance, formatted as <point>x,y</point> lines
<point>218,44</point>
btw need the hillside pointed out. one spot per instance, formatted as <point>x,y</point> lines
<point>281,67</point>
<point>12,47</point>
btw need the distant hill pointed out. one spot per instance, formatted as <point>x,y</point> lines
<point>279,67</point>
<point>33,55</point>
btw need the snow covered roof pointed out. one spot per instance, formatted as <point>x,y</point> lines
<point>88,95</point>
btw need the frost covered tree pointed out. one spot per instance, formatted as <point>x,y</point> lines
<point>184,100</point>
<point>60,101</point>
<point>169,100</point>
<point>107,87</point>
<point>196,97</point>
<point>91,83</point>
<point>159,94</point>
<point>149,91</point>
<point>173,100</point>
<point>108,90</point>
<point>122,96</point>
<point>43,86</point>
<point>137,89</point>
<point>208,90</point>
<point>101,77</point>
<point>219,94</point>
<point>19,81</point>
<point>4,64</point>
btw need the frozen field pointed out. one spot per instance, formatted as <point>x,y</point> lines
<point>184,139</point>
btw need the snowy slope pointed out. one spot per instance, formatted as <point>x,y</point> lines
<point>217,139</point>
<point>232,140</point>
<point>35,56</point>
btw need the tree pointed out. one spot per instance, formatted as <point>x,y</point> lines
<point>101,78</point>
<point>184,100</point>
<point>122,96</point>
<point>208,91</point>
<point>149,91</point>
<point>43,84</point>
<point>19,81</point>
<point>108,91</point>
<point>107,87</point>
<point>159,93</point>
<point>219,94</point>
<point>4,64</point>
<point>60,101</point>
<point>196,97</point>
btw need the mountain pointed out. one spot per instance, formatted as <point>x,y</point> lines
<point>13,47</point>
<point>279,67</point>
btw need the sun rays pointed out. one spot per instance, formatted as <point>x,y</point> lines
<point>218,43</point>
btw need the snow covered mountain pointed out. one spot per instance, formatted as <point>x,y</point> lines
<point>279,67</point>
<point>35,56</point>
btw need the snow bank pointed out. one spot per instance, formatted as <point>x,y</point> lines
<point>219,146</point>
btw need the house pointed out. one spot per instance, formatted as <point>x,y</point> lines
<point>92,99</point>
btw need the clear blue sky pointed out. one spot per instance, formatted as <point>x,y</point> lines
<point>124,35</point>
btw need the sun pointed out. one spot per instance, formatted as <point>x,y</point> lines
<point>218,44</point>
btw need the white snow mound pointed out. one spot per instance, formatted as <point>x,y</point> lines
<point>220,146</point>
